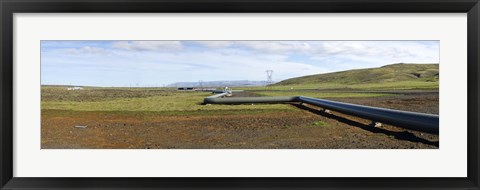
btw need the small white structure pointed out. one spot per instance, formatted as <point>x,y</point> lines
<point>228,90</point>
<point>75,88</point>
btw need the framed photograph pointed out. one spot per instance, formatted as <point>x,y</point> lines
<point>266,94</point>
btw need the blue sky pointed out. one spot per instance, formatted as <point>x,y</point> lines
<point>158,63</point>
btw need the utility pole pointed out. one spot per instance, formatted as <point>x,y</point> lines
<point>200,84</point>
<point>269,77</point>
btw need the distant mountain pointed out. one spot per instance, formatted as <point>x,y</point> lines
<point>235,83</point>
<point>388,73</point>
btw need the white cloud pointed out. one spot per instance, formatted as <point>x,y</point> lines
<point>148,45</point>
<point>378,52</point>
<point>273,47</point>
<point>215,44</point>
<point>86,50</point>
<point>394,49</point>
<point>278,46</point>
<point>358,54</point>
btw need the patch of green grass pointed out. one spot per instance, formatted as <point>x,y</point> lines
<point>316,94</point>
<point>50,93</point>
<point>178,103</point>
<point>125,101</point>
<point>320,124</point>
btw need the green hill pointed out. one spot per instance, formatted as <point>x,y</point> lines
<point>401,75</point>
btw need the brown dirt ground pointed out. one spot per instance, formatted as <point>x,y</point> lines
<point>285,130</point>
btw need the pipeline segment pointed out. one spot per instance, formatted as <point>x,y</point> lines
<point>250,100</point>
<point>409,120</point>
<point>221,95</point>
<point>423,122</point>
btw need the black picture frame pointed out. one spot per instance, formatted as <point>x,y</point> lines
<point>9,7</point>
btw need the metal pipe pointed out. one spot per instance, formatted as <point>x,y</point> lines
<point>221,95</point>
<point>428,123</point>
<point>250,100</point>
<point>222,91</point>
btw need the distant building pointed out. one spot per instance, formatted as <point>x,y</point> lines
<point>194,89</point>
<point>185,88</point>
<point>75,88</point>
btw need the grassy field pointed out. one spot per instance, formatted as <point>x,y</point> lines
<point>165,101</point>
<point>157,118</point>
<point>127,101</point>
<point>348,84</point>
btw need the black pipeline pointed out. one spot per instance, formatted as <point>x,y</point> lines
<point>423,122</point>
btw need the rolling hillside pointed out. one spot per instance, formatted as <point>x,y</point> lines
<point>405,75</point>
